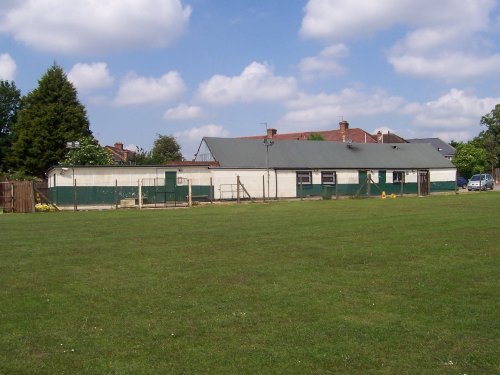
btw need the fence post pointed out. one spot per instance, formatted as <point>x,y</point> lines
<point>238,189</point>
<point>75,204</point>
<point>32,196</point>
<point>12,198</point>
<point>190,193</point>
<point>263,188</point>
<point>211,194</point>
<point>336,187</point>
<point>116,194</point>
<point>139,182</point>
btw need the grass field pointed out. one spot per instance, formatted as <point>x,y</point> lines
<point>396,286</point>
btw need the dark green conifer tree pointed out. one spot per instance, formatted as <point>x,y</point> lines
<point>10,102</point>
<point>50,117</point>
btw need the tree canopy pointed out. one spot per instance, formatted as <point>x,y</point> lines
<point>10,103</point>
<point>165,149</point>
<point>490,138</point>
<point>315,137</point>
<point>51,115</point>
<point>87,153</point>
<point>482,154</point>
<point>470,158</point>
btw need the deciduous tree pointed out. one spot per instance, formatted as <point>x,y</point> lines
<point>165,149</point>
<point>88,152</point>
<point>470,158</point>
<point>315,137</point>
<point>143,157</point>
<point>490,138</point>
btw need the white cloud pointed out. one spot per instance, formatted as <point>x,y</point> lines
<point>196,134</point>
<point>183,112</point>
<point>447,66</point>
<point>454,135</point>
<point>89,26</point>
<point>87,77</point>
<point>325,63</point>
<point>256,83</point>
<point>446,53</point>
<point>344,19</point>
<point>314,111</point>
<point>143,90</point>
<point>446,39</point>
<point>454,115</point>
<point>455,111</point>
<point>190,139</point>
<point>7,67</point>
<point>383,130</point>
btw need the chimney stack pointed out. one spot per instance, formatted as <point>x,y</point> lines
<point>271,132</point>
<point>119,145</point>
<point>343,126</point>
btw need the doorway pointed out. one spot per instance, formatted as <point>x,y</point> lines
<point>424,184</point>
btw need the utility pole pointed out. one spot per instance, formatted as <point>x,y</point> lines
<point>268,143</point>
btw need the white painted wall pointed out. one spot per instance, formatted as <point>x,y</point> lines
<point>347,177</point>
<point>441,175</point>
<point>223,180</point>
<point>124,176</point>
<point>287,184</point>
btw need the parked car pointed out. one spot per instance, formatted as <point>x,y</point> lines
<point>462,182</point>
<point>481,182</point>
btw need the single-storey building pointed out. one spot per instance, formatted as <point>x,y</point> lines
<point>265,168</point>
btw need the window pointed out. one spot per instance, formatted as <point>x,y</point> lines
<point>328,178</point>
<point>398,177</point>
<point>304,177</point>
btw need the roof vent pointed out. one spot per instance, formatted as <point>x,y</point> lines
<point>349,143</point>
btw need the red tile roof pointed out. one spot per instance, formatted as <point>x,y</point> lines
<point>356,135</point>
<point>192,163</point>
<point>119,154</point>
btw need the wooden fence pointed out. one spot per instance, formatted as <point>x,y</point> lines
<point>21,196</point>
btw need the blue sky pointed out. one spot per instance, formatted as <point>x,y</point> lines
<point>195,68</point>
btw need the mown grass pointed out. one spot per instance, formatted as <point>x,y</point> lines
<point>404,286</point>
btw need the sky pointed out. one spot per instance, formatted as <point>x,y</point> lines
<point>226,68</point>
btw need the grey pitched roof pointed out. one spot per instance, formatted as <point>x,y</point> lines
<point>444,148</point>
<point>251,153</point>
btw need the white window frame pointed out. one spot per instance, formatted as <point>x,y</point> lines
<point>330,175</point>
<point>300,177</point>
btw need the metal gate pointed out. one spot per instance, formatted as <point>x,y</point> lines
<point>163,192</point>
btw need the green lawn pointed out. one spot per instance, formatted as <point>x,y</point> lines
<point>395,286</point>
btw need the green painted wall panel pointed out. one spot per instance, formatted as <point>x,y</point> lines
<point>443,186</point>
<point>95,195</point>
<point>352,189</point>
